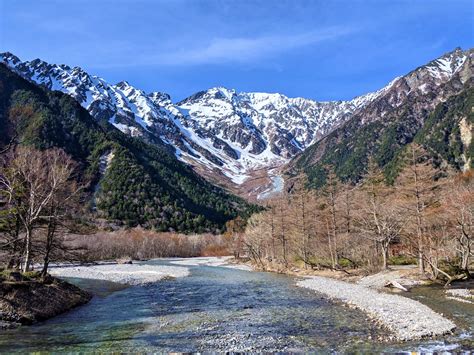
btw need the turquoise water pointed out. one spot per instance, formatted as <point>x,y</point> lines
<point>214,309</point>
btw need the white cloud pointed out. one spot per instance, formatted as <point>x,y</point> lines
<point>228,50</point>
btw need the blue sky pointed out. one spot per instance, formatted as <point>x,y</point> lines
<point>325,50</point>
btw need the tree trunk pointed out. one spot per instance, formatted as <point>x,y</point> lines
<point>334,228</point>
<point>465,264</point>
<point>333,262</point>
<point>384,255</point>
<point>283,236</point>
<point>305,237</point>
<point>273,237</point>
<point>27,260</point>
<point>421,264</point>
<point>45,266</point>
<point>49,245</point>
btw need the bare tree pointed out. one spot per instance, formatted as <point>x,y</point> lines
<point>282,208</point>
<point>378,218</point>
<point>257,238</point>
<point>330,193</point>
<point>459,206</point>
<point>416,185</point>
<point>234,233</point>
<point>299,212</point>
<point>60,219</point>
<point>30,185</point>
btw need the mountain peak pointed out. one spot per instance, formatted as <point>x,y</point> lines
<point>223,92</point>
<point>8,56</point>
<point>455,53</point>
<point>129,89</point>
<point>38,62</point>
<point>457,50</point>
<point>76,69</point>
<point>221,130</point>
<point>159,97</point>
<point>448,64</point>
<point>123,84</point>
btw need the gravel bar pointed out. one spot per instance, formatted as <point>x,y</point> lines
<point>407,319</point>
<point>129,274</point>
<point>223,261</point>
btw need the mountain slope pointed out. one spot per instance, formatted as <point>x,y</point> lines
<point>448,130</point>
<point>242,140</point>
<point>225,135</point>
<point>387,124</point>
<point>131,182</point>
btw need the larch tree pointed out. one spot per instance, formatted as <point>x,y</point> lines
<point>258,237</point>
<point>417,187</point>
<point>281,210</point>
<point>234,233</point>
<point>378,218</point>
<point>299,212</point>
<point>330,194</point>
<point>459,206</point>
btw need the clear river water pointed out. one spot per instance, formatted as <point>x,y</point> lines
<point>221,309</point>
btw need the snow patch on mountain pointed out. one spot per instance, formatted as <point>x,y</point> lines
<point>233,133</point>
<point>448,65</point>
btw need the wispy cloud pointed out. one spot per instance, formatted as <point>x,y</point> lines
<point>223,50</point>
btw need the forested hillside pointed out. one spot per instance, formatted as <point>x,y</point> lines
<point>129,181</point>
<point>439,118</point>
<point>447,132</point>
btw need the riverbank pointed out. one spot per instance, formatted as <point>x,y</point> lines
<point>25,301</point>
<point>223,261</point>
<point>127,274</point>
<point>405,318</point>
<point>140,274</point>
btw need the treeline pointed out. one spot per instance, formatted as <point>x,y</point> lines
<point>424,217</point>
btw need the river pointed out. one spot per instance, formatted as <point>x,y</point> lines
<point>276,187</point>
<point>214,309</point>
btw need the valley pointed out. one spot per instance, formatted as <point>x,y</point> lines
<point>228,137</point>
<point>236,176</point>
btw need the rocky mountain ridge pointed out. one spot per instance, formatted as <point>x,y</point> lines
<point>224,134</point>
<point>396,118</point>
<point>127,181</point>
<point>216,130</point>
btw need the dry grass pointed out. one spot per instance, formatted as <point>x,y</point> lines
<point>138,244</point>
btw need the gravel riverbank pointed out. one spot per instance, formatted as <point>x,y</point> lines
<point>129,274</point>
<point>406,318</point>
<point>461,295</point>
<point>223,261</point>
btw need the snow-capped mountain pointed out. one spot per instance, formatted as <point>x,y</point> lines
<point>425,84</point>
<point>219,130</point>
<point>384,126</point>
